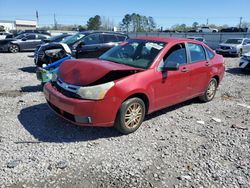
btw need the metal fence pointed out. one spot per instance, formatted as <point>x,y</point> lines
<point>213,39</point>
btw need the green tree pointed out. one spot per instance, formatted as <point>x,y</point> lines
<point>94,23</point>
<point>126,22</point>
<point>195,25</point>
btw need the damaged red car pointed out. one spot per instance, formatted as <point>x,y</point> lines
<point>133,79</point>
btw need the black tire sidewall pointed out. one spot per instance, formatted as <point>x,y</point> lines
<point>120,119</point>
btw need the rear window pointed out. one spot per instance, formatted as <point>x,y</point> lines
<point>109,38</point>
<point>121,38</point>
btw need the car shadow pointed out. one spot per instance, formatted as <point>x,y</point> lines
<point>238,71</point>
<point>41,122</point>
<point>30,69</point>
<point>37,88</point>
<point>172,108</point>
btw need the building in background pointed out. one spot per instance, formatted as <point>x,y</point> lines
<point>8,25</point>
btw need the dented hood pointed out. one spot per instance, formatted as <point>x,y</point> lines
<point>82,72</point>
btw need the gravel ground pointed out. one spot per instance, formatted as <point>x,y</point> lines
<point>192,144</point>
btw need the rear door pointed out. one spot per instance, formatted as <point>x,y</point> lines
<point>91,47</point>
<point>199,68</point>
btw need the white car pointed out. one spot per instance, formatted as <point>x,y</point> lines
<point>245,61</point>
<point>3,35</point>
<point>206,29</point>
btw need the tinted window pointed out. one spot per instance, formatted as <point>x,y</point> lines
<point>91,39</point>
<point>41,37</point>
<point>197,52</point>
<point>209,53</point>
<point>109,38</point>
<point>176,54</point>
<point>30,37</point>
<point>121,38</point>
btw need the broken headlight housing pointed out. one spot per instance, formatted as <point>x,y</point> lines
<point>96,92</point>
<point>52,52</point>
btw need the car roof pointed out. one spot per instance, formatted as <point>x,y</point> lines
<point>167,39</point>
<point>108,32</point>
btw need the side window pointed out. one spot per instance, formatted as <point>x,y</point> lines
<point>30,37</point>
<point>197,52</point>
<point>91,39</point>
<point>176,54</point>
<point>210,54</point>
<point>121,38</point>
<point>41,37</point>
<point>109,38</point>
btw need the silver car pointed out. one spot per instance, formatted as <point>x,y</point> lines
<point>234,46</point>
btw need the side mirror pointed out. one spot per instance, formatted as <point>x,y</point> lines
<point>24,39</point>
<point>171,66</point>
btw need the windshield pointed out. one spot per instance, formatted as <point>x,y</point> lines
<point>72,39</point>
<point>233,41</point>
<point>135,53</point>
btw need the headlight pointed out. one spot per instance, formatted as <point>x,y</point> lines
<point>52,52</point>
<point>95,92</point>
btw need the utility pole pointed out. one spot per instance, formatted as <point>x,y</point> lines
<point>37,19</point>
<point>240,22</point>
<point>55,22</point>
<point>207,21</point>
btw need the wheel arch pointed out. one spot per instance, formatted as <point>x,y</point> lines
<point>141,96</point>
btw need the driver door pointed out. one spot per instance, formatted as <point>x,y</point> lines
<point>172,86</point>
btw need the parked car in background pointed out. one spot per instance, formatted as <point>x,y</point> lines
<point>38,31</point>
<point>87,44</point>
<point>201,39</point>
<point>3,35</point>
<point>206,29</point>
<point>136,78</point>
<point>244,63</point>
<point>23,42</point>
<point>57,38</point>
<point>234,47</point>
<point>232,29</point>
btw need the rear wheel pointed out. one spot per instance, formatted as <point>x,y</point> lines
<point>210,91</point>
<point>14,48</point>
<point>130,115</point>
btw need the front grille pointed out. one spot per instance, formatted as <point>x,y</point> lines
<point>225,47</point>
<point>66,92</point>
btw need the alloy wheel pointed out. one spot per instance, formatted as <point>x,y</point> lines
<point>133,115</point>
<point>211,90</point>
<point>14,48</point>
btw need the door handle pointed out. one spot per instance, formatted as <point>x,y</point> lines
<point>185,69</point>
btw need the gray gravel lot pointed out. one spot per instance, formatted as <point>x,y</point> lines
<point>192,144</point>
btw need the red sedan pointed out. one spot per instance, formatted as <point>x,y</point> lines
<point>133,79</point>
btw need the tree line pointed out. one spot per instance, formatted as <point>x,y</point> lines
<point>134,23</point>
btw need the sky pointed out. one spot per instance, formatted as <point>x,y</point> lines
<point>165,12</point>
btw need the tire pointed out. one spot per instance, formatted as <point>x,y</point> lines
<point>130,115</point>
<point>210,91</point>
<point>14,48</point>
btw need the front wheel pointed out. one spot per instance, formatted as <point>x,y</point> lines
<point>130,115</point>
<point>14,48</point>
<point>210,91</point>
